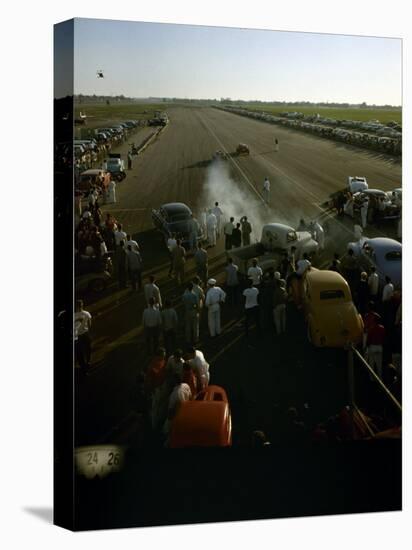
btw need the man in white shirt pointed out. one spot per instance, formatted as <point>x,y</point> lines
<point>373,284</point>
<point>82,324</point>
<point>181,392</point>
<point>214,297</point>
<point>203,217</point>
<point>211,225</point>
<point>200,366</point>
<point>303,265</point>
<point>132,243</point>
<point>364,212</point>
<point>119,235</point>
<point>319,235</point>
<point>388,290</point>
<point>228,230</point>
<point>151,290</point>
<point>255,273</point>
<point>217,211</point>
<point>252,312</point>
<point>152,323</point>
<point>171,245</point>
<point>266,190</point>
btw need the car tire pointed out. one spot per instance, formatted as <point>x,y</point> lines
<point>97,285</point>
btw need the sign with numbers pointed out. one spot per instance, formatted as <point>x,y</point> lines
<point>99,460</point>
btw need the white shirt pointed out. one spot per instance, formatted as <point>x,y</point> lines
<point>302,266</point>
<point>228,228</point>
<point>152,291</point>
<point>180,393</point>
<point>255,273</point>
<point>251,295</point>
<point>119,236</point>
<point>387,292</point>
<point>171,243</point>
<point>214,296</point>
<point>373,283</point>
<point>103,248</point>
<point>211,221</point>
<point>133,244</point>
<point>82,321</point>
<point>266,185</point>
<point>201,367</point>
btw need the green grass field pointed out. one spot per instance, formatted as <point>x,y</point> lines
<point>101,114</point>
<point>350,113</point>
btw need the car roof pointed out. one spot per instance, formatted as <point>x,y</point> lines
<point>324,279</point>
<point>384,243</point>
<point>278,226</point>
<point>176,207</point>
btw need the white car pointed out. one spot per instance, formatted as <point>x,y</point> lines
<point>357,183</point>
<point>382,253</point>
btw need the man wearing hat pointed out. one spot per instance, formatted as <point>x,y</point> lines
<point>214,297</point>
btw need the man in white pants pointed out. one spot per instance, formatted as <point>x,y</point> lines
<point>211,224</point>
<point>319,235</point>
<point>217,211</point>
<point>214,297</point>
<point>266,190</point>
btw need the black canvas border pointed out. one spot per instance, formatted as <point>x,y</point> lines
<point>63,428</point>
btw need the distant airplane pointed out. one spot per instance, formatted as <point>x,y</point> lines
<point>99,74</point>
<point>82,118</point>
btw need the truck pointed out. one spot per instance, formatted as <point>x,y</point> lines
<point>115,165</point>
<point>276,239</point>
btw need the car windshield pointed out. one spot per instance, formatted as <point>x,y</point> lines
<point>394,256</point>
<point>291,236</point>
<point>331,294</point>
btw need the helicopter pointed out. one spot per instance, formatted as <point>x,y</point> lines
<point>99,74</point>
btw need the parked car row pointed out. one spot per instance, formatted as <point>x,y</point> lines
<point>99,142</point>
<point>389,142</point>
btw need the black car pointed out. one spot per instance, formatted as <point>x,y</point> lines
<point>174,218</point>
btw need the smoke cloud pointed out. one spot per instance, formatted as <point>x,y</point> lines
<point>237,199</point>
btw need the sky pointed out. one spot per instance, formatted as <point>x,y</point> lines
<point>165,60</point>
